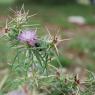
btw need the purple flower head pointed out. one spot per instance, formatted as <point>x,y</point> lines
<point>28,36</point>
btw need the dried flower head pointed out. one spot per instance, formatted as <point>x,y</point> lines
<point>55,40</point>
<point>20,16</point>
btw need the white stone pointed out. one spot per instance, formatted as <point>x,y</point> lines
<point>86,2</point>
<point>77,20</point>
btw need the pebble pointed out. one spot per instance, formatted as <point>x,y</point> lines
<point>79,20</point>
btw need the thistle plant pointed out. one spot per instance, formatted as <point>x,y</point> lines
<point>33,53</point>
<point>31,67</point>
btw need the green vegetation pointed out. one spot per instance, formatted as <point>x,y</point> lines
<point>58,15</point>
<point>82,44</point>
<point>46,2</point>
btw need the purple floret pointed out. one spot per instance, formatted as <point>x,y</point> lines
<point>28,36</point>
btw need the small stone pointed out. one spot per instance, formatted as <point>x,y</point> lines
<point>79,20</point>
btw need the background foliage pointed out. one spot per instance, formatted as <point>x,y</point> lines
<point>48,1</point>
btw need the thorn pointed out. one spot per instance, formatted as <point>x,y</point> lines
<point>57,33</point>
<point>32,15</point>
<point>64,40</point>
<point>49,33</point>
<point>56,49</point>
